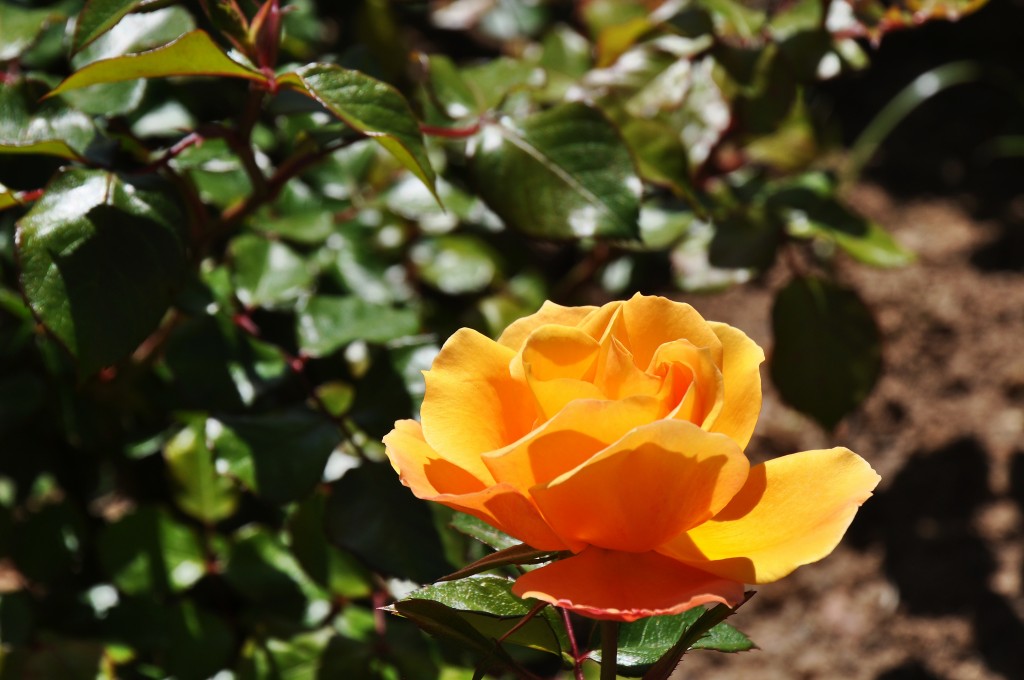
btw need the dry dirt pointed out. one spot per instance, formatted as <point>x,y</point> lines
<point>928,582</point>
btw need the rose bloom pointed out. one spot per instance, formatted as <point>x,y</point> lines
<point>616,434</point>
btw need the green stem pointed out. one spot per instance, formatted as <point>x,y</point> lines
<point>609,649</point>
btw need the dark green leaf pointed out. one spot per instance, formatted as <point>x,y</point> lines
<point>371,514</point>
<point>370,107</point>
<point>482,531</point>
<point>332,568</point>
<point>268,273</point>
<point>563,173</point>
<point>660,155</point>
<point>150,552</point>
<point>200,491</point>
<point>100,261</point>
<point>193,54</point>
<point>827,355</point>
<point>280,457</point>
<point>707,621</point>
<point>327,323</point>
<point>32,127</point>
<point>201,642</point>
<point>488,605</point>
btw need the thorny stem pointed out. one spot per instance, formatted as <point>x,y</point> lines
<point>452,132</point>
<point>536,609</point>
<point>609,649</point>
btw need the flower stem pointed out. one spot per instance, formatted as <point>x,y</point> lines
<point>609,649</point>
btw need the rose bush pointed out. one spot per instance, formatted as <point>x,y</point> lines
<point>617,434</point>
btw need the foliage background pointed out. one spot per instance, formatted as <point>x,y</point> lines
<point>197,484</point>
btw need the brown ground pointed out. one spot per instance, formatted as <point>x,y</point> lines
<point>927,583</point>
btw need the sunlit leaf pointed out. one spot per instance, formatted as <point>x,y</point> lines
<point>327,323</point>
<point>200,490</point>
<point>20,27</point>
<point>28,126</point>
<point>99,16</point>
<point>193,54</point>
<point>562,173</point>
<point>369,106</point>
<point>100,263</point>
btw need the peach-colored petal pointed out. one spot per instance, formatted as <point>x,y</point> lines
<point>553,352</point>
<point>620,376</point>
<point>549,313</point>
<point>580,430</point>
<point>432,478</point>
<point>552,396</point>
<point>596,323</point>
<point>791,511</point>
<point>422,469</point>
<point>742,383</point>
<point>620,586</point>
<point>659,480</point>
<point>472,404</point>
<point>652,321</point>
<point>692,369</point>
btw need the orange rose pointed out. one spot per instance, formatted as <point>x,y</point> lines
<point>617,433</point>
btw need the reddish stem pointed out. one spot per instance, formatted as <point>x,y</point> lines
<point>577,660</point>
<point>30,196</point>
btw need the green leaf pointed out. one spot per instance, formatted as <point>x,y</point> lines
<point>706,622</point>
<point>372,515</point>
<point>193,54</point>
<point>28,126</point>
<point>327,323</point>
<point>265,573</point>
<point>562,173</point>
<point>200,491</point>
<point>827,354</point>
<point>368,106</point>
<point>517,554</point>
<point>488,605</point>
<point>100,263</point>
<point>20,27</point>
<point>200,643</point>
<point>482,531</point>
<point>332,568</point>
<point>149,551</point>
<point>811,209</point>
<point>97,17</point>
<point>660,155</point>
<point>457,264</point>
<point>279,456</point>
<point>268,273</point>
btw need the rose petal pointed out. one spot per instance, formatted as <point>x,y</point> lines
<point>472,404</point>
<point>422,469</point>
<point>576,433</point>
<point>656,482</point>
<point>742,383</point>
<point>652,321</point>
<point>432,478</point>
<point>549,313</point>
<point>619,586</point>
<point>554,352</point>
<point>690,368</point>
<point>791,511</point>
<point>620,377</point>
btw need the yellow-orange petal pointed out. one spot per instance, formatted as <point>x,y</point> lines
<point>792,511</point>
<point>422,469</point>
<point>741,374</point>
<point>620,377</point>
<point>432,478</point>
<point>659,480</point>
<point>549,313</point>
<point>574,434</point>
<point>704,387</point>
<point>652,321</point>
<point>553,352</point>
<point>620,586</point>
<point>472,405</point>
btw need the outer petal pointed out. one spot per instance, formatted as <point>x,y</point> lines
<point>472,404</point>
<point>792,511</point>
<point>742,377</point>
<point>549,313</point>
<point>653,321</point>
<point>576,433</point>
<point>656,482</point>
<point>605,584</point>
<point>432,478</point>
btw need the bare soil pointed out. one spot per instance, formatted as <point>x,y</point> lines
<point>928,582</point>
